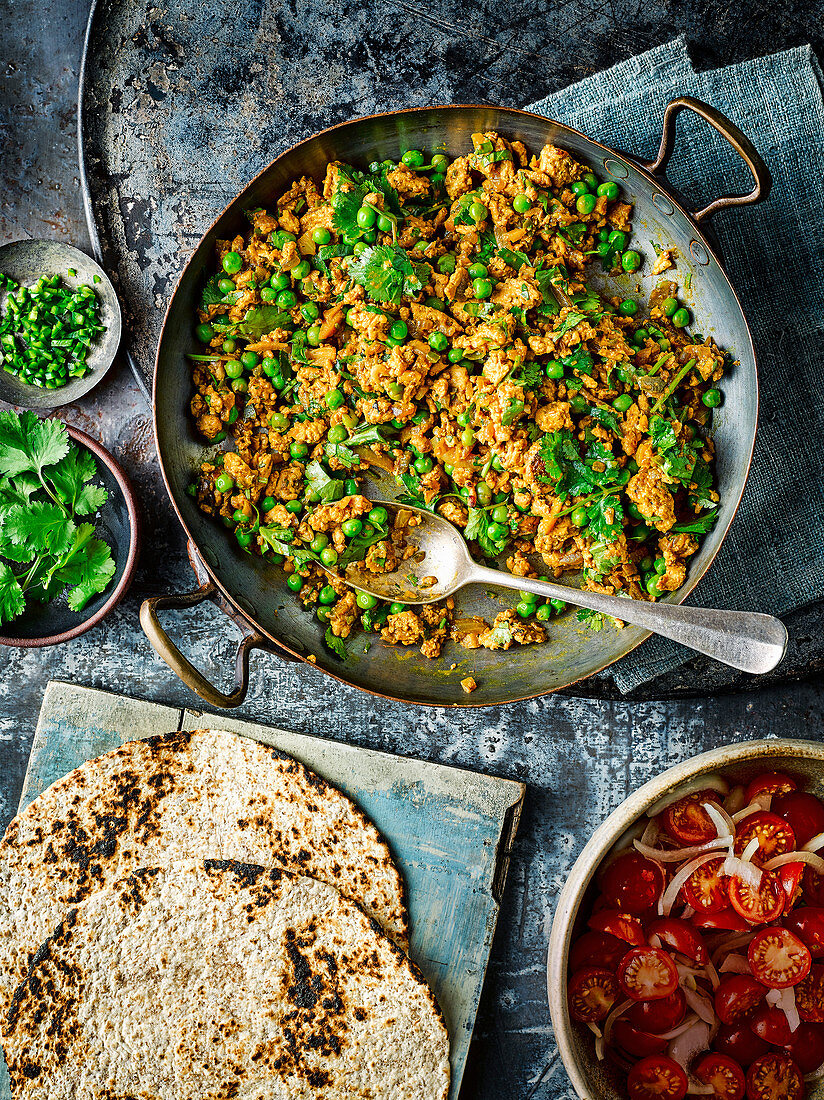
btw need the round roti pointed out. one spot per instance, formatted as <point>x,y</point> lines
<point>200,794</point>
<point>216,979</point>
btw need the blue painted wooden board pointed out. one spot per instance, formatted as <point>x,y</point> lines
<point>450,829</point>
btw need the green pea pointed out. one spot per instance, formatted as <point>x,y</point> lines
<point>286,299</point>
<point>478,212</point>
<point>267,294</point>
<point>543,613</point>
<point>558,606</point>
<point>327,594</point>
<point>232,263</point>
<point>351,527</point>
<point>280,237</point>
<point>652,585</point>
<point>628,307</point>
<point>224,483</point>
<point>500,513</point>
<point>233,368</point>
<point>368,530</point>
<point>313,336</point>
<point>631,260</point>
<point>350,486</point>
<point>579,404</point>
<point>423,465</point>
<point>280,282</point>
<point>319,543</point>
<point>225,286</point>
<point>384,223</point>
<point>309,311</point>
<point>528,597</point>
<point>378,516</point>
<point>438,342</point>
<point>278,421</point>
<point>399,331</point>
<point>302,270</point>
<point>554,369</point>
<point>640,336</point>
<point>204,332</point>
<point>585,204</point>
<point>681,318</point>
<point>478,271</point>
<point>483,492</point>
<point>321,235</point>
<point>605,250</point>
<point>446,264</point>
<point>609,189</point>
<point>498,532</point>
<point>365,601</point>
<point>579,517</point>
<point>467,437</point>
<point>298,450</point>
<point>294,506</point>
<point>660,566</point>
<point>412,158</point>
<point>634,511</point>
<point>334,399</point>
<point>579,188</point>
<point>234,413</point>
<point>250,360</point>
<point>295,582</point>
<point>267,504</point>
<point>323,614</point>
<point>712,398</point>
<point>670,306</point>
<point>622,403</point>
<point>244,538</point>
<point>617,240</point>
<point>229,346</point>
<point>645,564</point>
<point>329,556</point>
<point>464,419</point>
<point>337,433</point>
<point>521,204</point>
<point>525,609</point>
<point>482,288</point>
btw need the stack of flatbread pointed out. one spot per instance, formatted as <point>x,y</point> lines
<point>197,915</point>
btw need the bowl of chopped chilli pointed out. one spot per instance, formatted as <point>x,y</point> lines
<point>59,323</point>
<point>477,311</point>
<point>687,944</point>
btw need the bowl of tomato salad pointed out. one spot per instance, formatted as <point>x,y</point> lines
<point>687,950</point>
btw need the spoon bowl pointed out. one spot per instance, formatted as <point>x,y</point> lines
<point>437,564</point>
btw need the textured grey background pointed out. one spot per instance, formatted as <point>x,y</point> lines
<point>580,757</point>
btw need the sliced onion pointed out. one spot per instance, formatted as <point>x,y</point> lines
<point>786,1002</point>
<point>730,944</point>
<point>752,808</point>
<point>763,800</point>
<point>743,869</point>
<point>685,1024</point>
<point>814,860</point>
<point>735,800</point>
<point>712,974</point>
<point>599,1047</point>
<point>667,899</point>
<point>735,964</point>
<point>699,783</point>
<point>688,912</point>
<point>695,1040</point>
<point>651,833</point>
<point>720,819</point>
<point>700,1005</point>
<point>676,855</point>
<point>816,1074</point>
<point>814,844</point>
<point>619,1010</point>
<point>750,849</point>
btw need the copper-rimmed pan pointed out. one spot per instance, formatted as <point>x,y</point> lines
<point>254,594</point>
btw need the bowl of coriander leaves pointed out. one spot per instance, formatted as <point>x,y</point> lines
<point>60,323</point>
<point>69,531</point>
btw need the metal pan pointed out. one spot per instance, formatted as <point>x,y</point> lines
<point>253,593</point>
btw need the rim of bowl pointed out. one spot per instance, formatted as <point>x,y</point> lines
<point>607,833</point>
<point>100,452</point>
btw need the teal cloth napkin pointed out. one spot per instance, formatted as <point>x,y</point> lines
<point>773,557</point>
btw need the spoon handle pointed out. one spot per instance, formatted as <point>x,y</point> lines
<point>743,639</point>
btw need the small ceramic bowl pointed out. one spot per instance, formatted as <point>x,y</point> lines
<point>25,261</point>
<point>117,524</point>
<point>594,1080</point>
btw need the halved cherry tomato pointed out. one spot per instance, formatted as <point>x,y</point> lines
<point>790,876</point>
<point>770,1024</point>
<point>775,836</point>
<point>775,1076</point>
<point>777,958</point>
<point>727,920</point>
<point>640,1044</point>
<point>807,1047</point>
<point>769,783</point>
<point>647,974</point>
<point>597,949</point>
<point>687,821</point>
<point>632,883</point>
<point>657,1078</point>
<point>808,924</point>
<point>661,1015</point>
<point>706,888</point>
<point>761,905</point>
<point>737,996</point>
<point>621,925</point>
<point>592,993</point>
<point>803,812</point>
<point>809,996</point>
<point>739,1043</point>
<point>813,887</point>
<point>680,936</point>
<point>725,1076</point>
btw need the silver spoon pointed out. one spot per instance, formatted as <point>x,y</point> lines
<point>441,564</point>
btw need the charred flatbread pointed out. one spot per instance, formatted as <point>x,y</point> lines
<point>199,794</point>
<point>217,979</point>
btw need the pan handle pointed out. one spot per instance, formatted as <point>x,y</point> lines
<point>182,666</point>
<point>728,130</point>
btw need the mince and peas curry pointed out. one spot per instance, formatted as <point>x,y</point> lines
<point>433,319</point>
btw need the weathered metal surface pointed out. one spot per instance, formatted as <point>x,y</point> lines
<point>450,829</point>
<point>579,757</point>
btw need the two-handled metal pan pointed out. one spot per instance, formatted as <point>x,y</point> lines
<point>254,594</point>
